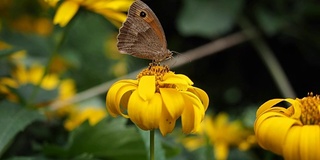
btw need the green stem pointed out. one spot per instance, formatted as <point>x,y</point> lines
<point>268,58</point>
<point>47,67</point>
<point>151,144</point>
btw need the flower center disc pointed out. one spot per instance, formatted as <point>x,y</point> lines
<point>310,107</point>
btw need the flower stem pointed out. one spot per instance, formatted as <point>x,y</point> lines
<point>47,66</point>
<point>268,57</point>
<point>151,144</point>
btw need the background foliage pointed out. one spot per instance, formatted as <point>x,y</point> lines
<point>236,79</point>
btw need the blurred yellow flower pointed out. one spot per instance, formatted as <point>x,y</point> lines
<point>23,76</point>
<point>25,20</point>
<point>52,3</point>
<point>157,99</point>
<point>292,132</point>
<point>40,25</point>
<point>120,67</point>
<point>113,10</point>
<point>4,45</point>
<point>221,134</point>
<point>92,114</point>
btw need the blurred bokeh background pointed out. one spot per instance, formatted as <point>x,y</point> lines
<point>277,56</point>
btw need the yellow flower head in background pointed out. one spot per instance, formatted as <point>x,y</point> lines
<point>23,76</point>
<point>157,99</point>
<point>90,113</point>
<point>292,132</point>
<point>221,134</point>
<point>25,20</point>
<point>113,10</point>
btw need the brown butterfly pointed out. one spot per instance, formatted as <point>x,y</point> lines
<point>142,36</point>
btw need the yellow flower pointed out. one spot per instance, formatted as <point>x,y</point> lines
<point>23,76</point>
<point>157,99</point>
<point>113,10</point>
<point>292,132</point>
<point>222,134</point>
<point>92,114</point>
<point>120,67</point>
<point>42,26</point>
<point>24,20</point>
<point>4,45</point>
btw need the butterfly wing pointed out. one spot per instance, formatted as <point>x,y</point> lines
<point>141,35</point>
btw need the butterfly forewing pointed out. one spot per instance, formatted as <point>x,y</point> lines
<point>141,35</point>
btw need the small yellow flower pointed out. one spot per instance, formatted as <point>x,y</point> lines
<point>157,99</point>
<point>24,20</point>
<point>92,114</point>
<point>222,134</point>
<point>40,25</point>
<point>292,132</point>
<point>120,67</point>
<point>4,45</point>
<point>22,76</point>
<point>113,10</point>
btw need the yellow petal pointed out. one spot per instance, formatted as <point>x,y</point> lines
<point>273,131</point>
<point>268,105</point>
<point>259,125</point>
<point>50,81</point>
<point>7,82</point>
<point>193,143</point>
<point>267,115</point>
<point>21,74</point>
<point>67,89</point>
<point>118,5</point>
<point>290,147</point>
<point>167,123</point>
<point>309,142</point>
<point>297,109</point>
<point>116,92</point>
<point>65,12</point>
<point>173,100</point>
<point>271,103</point>
<point>124,95</point>
<point>193,113</point>
<point>52,3</point>
<point>194,100</point>
<point>209,127</point>
<point>147,87</point>
<point>152,113</point>
<point>35,74</point>
<point>136,107</point>
<point>172,78</point>
<point>191,119</point>
<point>202,96</point>
<point>181,81</point>
<point>221,151</point>
<point>111,99</point>
<point>188,117</point>
<point>114,17</point>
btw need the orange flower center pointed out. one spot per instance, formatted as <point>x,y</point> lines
<point>310,107</point>
<point>157,71</point>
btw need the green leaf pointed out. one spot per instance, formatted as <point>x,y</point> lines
<point>7,52</point>
<point>14,119</point>
<point>171,146</point>
<point>25,158</point>
<point>43,96</point>
<point>108,139</point>
<point>208,18</point>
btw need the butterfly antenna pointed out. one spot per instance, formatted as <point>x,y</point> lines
<point>180,55</point>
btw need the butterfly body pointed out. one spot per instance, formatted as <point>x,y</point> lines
<point>142,36</point>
